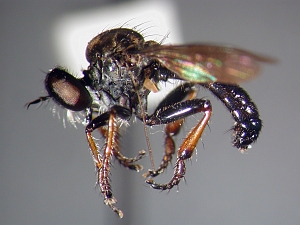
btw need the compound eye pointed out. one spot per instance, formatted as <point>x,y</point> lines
<point>67,91</point>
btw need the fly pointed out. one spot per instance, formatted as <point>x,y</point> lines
<point>124,68</point>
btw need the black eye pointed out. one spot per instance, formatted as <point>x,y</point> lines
<point>66,90</point>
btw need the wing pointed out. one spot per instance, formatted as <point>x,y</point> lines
<point>207,63</point>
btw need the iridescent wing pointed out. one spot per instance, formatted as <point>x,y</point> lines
<point>207,63</point>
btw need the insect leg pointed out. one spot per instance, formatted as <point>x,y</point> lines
<point>175,112</point>
<point>102,162</point>
<point>171,130</point>
<point>123,160</point>
<point>184,91</point>
<point>129,162</point>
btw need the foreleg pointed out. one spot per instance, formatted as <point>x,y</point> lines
<point>103,161</point>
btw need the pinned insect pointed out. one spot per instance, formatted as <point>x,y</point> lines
<point>124,69</point>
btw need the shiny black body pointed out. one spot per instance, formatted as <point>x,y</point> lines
<point>243,110</point>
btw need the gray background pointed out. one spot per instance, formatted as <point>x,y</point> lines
<point>47,174</point>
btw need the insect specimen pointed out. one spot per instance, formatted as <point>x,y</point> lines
<point>124,68</point>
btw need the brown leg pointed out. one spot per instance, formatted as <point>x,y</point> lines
<point>186,150</point>
<point>171,130</point>
<point>103,163</point>
<point>123,160</point>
